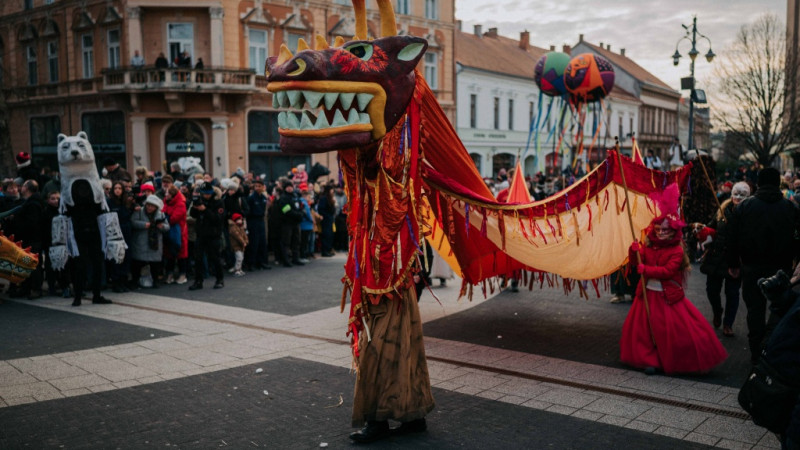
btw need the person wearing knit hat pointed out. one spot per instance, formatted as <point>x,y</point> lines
<point>761,241</point>
<point>239,241</point>
<point>26,170</point>
<point>724,191</point>
<point>147,187</point>
<point>155,201</point>
<point>150,225</point>
<point>23,159</point>
<point>209,215</point>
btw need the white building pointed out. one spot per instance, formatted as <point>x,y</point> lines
<point>497,100</point>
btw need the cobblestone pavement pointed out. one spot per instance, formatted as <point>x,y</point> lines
<point>165,368</point>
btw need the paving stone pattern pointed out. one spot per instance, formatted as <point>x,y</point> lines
<point>230,408</point>
<point>547,322</point>
<point>33,331</point>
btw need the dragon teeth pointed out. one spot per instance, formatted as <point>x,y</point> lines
<point>283,99</point>
<point>338,119</point>
<point>346,99</point>
<point>292,122</point>
<point>350,112</point>
<point>363,101</point>
<point>295,99</point>
<point>305,122</point>
<point>330,99</point>
<point>322,122</point>
<point>313,98</point>
<point>352,118</point>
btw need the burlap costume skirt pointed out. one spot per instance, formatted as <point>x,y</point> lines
<point>392,381</point>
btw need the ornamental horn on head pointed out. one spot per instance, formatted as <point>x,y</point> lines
<point>346,95</point>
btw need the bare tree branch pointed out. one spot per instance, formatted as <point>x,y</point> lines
<point>751,91</point>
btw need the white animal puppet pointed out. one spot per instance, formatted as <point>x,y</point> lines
<point>76,163</point>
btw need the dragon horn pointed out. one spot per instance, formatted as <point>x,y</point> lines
<point>320,43</point>
<point>284,55</point>
<point>361,19</point>
<point>302,45</point>
<point>388,21</point>
<point>338,42</point>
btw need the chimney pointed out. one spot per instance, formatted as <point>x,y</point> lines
<point>524,39</point>
<point>552,48</point>
<point>478,30</point>
<point>458,25</point>
<point>580,37</point>
<point>602,46</point>
<point>622,51</point>
<point>566,49</point>
<point>608,47</point>
<point>492,32</point>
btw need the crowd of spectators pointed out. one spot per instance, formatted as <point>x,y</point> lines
<point>181,227</point>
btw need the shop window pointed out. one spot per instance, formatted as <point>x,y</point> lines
<point>44,140</point>
<point>106,131</point>
<point>264,155</point>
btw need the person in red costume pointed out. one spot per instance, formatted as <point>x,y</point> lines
<point>664,330</point>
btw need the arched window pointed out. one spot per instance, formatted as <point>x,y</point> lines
<point>185,138</point>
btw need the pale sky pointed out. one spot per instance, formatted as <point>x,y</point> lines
<point>648,30</point>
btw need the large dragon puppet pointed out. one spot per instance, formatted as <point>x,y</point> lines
<point>408,176</point>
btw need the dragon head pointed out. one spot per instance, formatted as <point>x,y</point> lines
<point>16,263</point>
<point>346,95</point>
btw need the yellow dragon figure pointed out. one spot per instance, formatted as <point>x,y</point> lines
<point>16,263</point>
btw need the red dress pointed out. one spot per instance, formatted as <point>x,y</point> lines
<point>684,340</point>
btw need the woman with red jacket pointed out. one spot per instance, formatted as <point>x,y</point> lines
<point>175,210</point>
<point>664,330</point>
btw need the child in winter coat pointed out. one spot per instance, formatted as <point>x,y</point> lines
<point>238,241</point>
<point>149,227</point>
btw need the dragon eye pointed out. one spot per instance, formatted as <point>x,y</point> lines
<point>363,51</point>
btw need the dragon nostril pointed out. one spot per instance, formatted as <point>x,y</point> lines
<point>301,67</point>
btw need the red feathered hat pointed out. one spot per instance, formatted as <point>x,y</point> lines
<point>666,202</point>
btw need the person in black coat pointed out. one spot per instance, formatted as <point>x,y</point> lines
<point>54,278</point>
<point>782,353</point>
<point>28,224</point>
<point>209,215</point>
<point>257,205</point>
<point>715,265</point>
<point>762,238</point>
<point>121,202</point>
<point>327,209</point>
<point>290,214</point>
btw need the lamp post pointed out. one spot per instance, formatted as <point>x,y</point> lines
<point>691,36</point>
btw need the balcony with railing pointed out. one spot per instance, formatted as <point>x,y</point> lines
<point>149,79</point>
<point>217,80</point>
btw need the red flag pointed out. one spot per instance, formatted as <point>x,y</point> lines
<point>517,191</point>
<point>637,154</point>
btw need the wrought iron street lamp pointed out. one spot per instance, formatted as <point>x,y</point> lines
<point>695,95</point>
